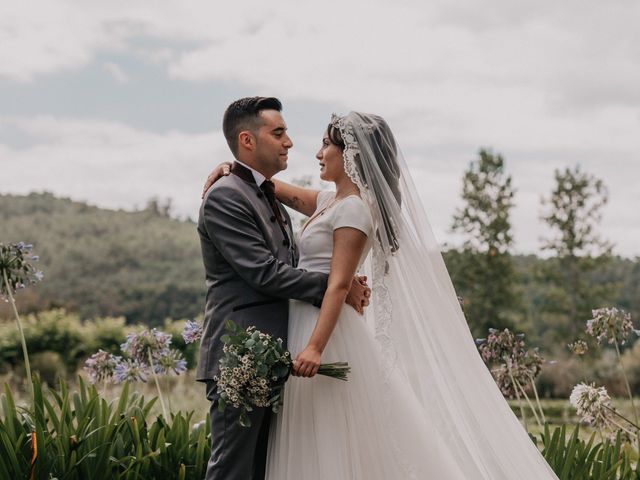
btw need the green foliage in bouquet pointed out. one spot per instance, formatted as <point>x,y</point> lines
<point>254,369</point>
<point>80,435</point>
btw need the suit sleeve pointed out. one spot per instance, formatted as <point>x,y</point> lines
<point>231,226</point>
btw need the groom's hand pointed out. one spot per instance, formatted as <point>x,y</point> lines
<point>358,296</point>
<point>217,173</point>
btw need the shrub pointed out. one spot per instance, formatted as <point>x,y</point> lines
<point>50,366</point>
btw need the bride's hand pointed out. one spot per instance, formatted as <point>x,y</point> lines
<point>359,295</point>
<point>307,362</point>
<point>216,174</point>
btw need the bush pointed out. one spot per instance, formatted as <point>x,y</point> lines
<point>556,380</point>
<point>75,340</point>
<point>105,333</point>
<point>53,330</point>
<point>50,366</point>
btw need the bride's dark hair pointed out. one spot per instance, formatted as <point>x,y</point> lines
<point>386,154</point>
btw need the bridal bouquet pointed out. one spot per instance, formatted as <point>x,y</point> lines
<point>254,369</point>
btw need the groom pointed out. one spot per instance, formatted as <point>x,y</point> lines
<point>250,256</point>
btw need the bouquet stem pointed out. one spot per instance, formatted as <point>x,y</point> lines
<point>337,370</point>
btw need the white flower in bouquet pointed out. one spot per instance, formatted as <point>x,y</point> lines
<point>254,369</point>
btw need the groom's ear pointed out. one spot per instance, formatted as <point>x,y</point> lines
<point>247,140</point>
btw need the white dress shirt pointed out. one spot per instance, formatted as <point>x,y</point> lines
<point>258,177</point>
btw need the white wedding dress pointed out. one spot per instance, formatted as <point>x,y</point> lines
<point>420,403</point>
<point>360,429</point>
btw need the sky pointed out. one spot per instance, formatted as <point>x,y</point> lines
<point>118,102</point>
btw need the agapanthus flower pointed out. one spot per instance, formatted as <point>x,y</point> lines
<point>139,346</point>
<point>579,347</point>
<point>131,370</point>
<point>506,351</point>
<point>592,404</point>
<point>611,324</point>
<point>101,366</point>
<point>500,344</point>
<point>16,264</point>
<point>170,361</point>
<point>192,332</point>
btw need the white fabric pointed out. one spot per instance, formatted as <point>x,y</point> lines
<point>418,321</point>
<point>329,429</point>
<point>257,176</point>
<point>427,353</point>
<point>318,232</point>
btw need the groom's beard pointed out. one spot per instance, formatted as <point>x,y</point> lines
<point>282,162</point>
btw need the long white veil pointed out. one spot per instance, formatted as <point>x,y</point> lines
<point>418,320</point>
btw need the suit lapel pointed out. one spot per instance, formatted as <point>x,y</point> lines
<point>246,175</point>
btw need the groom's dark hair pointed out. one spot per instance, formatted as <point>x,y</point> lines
<point>243,114</point>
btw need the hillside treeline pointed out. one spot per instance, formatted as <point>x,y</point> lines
<point>140,265</point>
<point>145,266</point>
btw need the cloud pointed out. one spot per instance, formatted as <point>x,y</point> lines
<point>117,166</point>
<point>110,164</point>
<point>118,74</point>
<point>548,84</point>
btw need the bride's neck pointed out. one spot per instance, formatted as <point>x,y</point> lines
<point>345,187</point>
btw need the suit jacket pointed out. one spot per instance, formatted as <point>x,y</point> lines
<point>249,264</point>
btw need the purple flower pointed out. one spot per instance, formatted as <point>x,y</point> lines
<point>130,370</point>
<point>170,362</point>
<point>17,267</point>
<point>192,332</point>
<point>139,346</point>
<point>514,362</point>
<point>611,324</point>
<point>101,366</point>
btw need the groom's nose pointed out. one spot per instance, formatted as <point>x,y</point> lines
<point>287,142</point>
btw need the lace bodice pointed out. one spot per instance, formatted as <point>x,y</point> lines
<point>316,239</point>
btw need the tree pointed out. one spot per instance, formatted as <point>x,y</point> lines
<point>159,208</point>
<point>573,212</point>
<point>483,270</point>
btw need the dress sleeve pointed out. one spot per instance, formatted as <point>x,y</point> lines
<point>353,212</point>
<point>324,198</point>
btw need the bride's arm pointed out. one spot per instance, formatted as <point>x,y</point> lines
<point>348,245</point>
<point>303,200</point>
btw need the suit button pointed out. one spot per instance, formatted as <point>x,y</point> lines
<point>273,218</point>
<point>259,194</point>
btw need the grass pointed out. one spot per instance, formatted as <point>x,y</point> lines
<point>185,394</point>
<point>182,393</point>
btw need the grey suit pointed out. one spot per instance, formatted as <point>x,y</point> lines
<point>250,276</point>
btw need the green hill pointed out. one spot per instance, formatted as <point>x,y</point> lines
<point>146,266</point>
<point>142,265</point>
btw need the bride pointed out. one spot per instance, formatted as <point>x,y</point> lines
<point>419,403</point>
